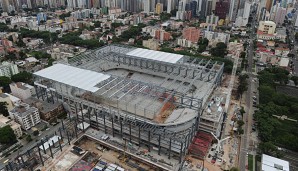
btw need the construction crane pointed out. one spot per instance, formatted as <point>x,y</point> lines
<point>219,142</point>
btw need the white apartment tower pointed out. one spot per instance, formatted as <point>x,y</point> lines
<point>25,115</point>
<point>169,6</point>
<point>146,6</point>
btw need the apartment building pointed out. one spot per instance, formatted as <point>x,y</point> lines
<point>267,27</point>
<point>151,44</point>
<point>191,33</point>
<point>22,90</point>
<point>4,121</point>
<point>26,115</point>
<point>8,69</point>
<point>162,35</point>
<point>47,111</point>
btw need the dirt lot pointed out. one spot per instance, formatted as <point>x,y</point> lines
<point>110,156</point>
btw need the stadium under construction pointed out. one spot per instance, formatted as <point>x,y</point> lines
<point>150,98</point>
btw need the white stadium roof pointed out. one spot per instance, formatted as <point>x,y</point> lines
<point>270,163</point>
<point>77,77</point>
<point>155,55</point>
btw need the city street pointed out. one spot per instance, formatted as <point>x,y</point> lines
<point>248,116</point>
<point>30,145</point>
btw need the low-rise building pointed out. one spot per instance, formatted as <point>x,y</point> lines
<point>216,37</point>
<point>47,111</point>
<point>162,35</point>
<point>151,44</point>
<point>5,98</point>
<point>4,121</point>
<point>186,43</point>
<point>22,90</point>
<point>26,115</point>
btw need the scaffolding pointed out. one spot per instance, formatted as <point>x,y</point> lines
<point>129,108</point>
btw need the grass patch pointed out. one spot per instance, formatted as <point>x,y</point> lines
<point>250,162</point>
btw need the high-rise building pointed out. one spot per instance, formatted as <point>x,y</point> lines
<point>159,8</point>
<point>280,15</point>
<point>211,21</point>
<point>146,6</point>
<point>269,5</point>
<point>169,6</point>
<point>193,8</point>
<point>222,9</point>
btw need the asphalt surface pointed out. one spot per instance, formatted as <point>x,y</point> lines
<point>31,144</point>
<point>249,110</point>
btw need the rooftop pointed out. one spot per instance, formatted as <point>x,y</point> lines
<point>43,106</point>
<point>155,55</point>
<point>270,163</point>
<point>22,110</point>
<point>81,78</point>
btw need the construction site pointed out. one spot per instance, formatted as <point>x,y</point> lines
<point>151,99</point>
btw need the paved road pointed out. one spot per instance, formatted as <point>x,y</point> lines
<point>31,144</point>
<point>248,115</point>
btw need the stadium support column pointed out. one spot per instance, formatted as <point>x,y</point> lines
<point>51,149</point>
<point>169,157</point>
<point>59,144</point>
<point>81,107</point>
<point>41,90</point>
<point>96,117</point>
<point>76,129</point>
<point>52,96</point>
<point>149,132</point>
<point>46,94</point>
<point>181,152</point>
<point>104,123</point>
<point>139,136</point>
<point>36,90</point>
<point>159,148</point>
<point>60,133</point>
<point>67,137</point>
<point>44,150</point>
<point>113,127</point>
<point>130,132</point>
<point>121,128</point>
<point>40,156</point>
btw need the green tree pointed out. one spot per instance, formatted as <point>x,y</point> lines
<point>3,108</point>
<point>35,133</point>
<point>243,85</point>
<point>165,16</point>
<point>267,147</point>
<point>234,169</point>
<point>4,82</point>
<point>240,123</point>
<point>7,135</point>
<point>64,15</point>
<point>243,54</point>
<point>28,138</point>
<point>3,27</point>
<point>23,76</point>
<point>295,80</point>
<point>219,50</point>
